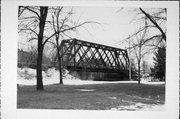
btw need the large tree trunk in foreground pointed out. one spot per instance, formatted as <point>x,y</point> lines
<point>39,69</point>
<point>42,20</point>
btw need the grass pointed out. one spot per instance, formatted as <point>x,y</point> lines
<point>90,97</point>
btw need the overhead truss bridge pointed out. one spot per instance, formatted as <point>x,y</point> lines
<point>78,55</point>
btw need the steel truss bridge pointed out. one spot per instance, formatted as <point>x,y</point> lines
<point>78,55</point>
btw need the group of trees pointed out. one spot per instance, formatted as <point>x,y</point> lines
<point>158,71</point>
<point>29,59</point>
<point>149,38</point>
<point>46,25</point>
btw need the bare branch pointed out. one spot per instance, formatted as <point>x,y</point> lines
<point>31,17</point>
<point>153,37</point>
<point>154,22</point>
<point>29,30</point>
<point>66,35</point>
<point>135,34</point>
<point>87,22</point>
<point>64,30</point>
<point>20,11</point>
<point>51,42</point>
<point>32,39</point>
<point>32,11</point>
<point>159,18</point>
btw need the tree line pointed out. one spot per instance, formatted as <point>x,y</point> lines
<point>29,59</point>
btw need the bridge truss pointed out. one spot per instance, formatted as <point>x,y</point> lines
<point>78,55</point>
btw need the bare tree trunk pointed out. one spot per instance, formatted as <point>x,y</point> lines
<point>39,69</point>
<point>59,66</point>
<point>139,63</point>
<point>42,20</point>
<point>139,72</point>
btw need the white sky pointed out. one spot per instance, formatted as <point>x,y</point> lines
<point>114,26</point>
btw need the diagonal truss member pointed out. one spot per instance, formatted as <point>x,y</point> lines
<point>81,55</point>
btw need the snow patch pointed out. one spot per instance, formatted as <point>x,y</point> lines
<point>112,98</point>
<point>85,89</point>
<point>141,107</point>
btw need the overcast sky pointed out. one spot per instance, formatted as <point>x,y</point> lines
<point>114,24</point>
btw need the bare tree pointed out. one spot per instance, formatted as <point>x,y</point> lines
<point>154,18</point>
<point>156,21</point>
<point>34,22</point>
<point>61,24</point>
<point>149,35</point>
<point>139,51</point>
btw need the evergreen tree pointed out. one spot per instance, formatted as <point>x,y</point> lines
<point>159,64</point>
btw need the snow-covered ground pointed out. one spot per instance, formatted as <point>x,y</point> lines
<point>27,76</point>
